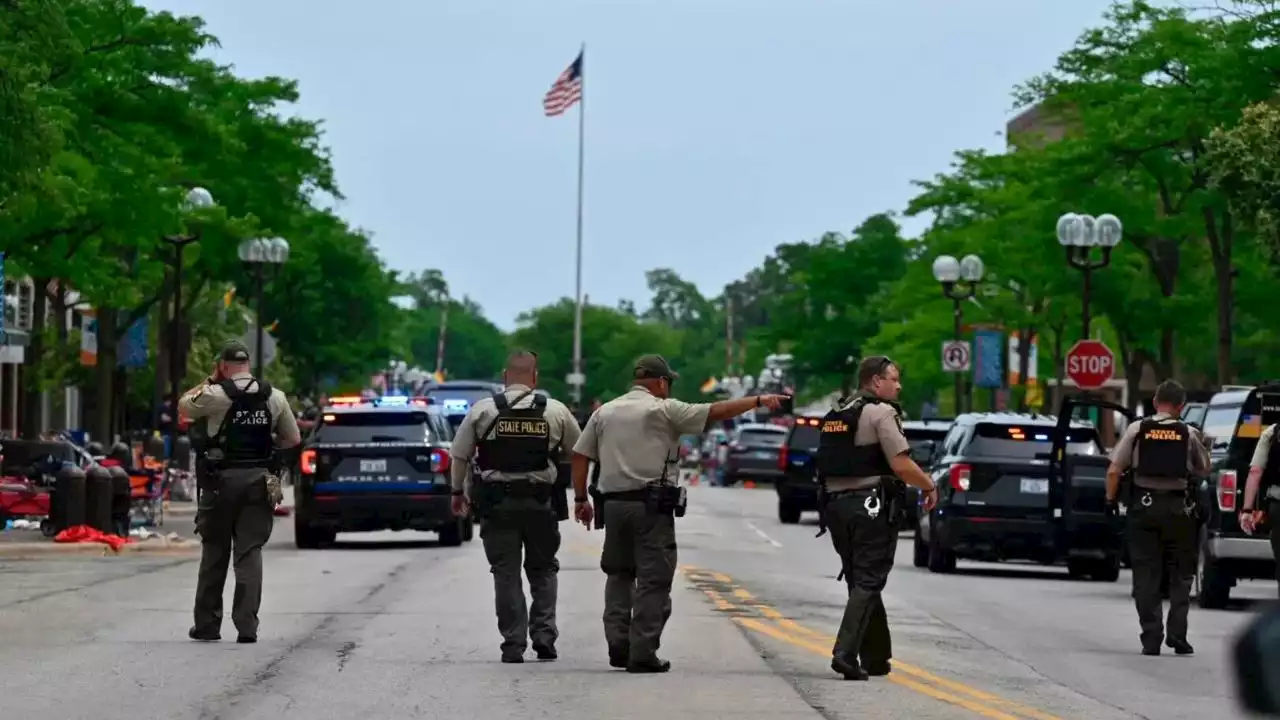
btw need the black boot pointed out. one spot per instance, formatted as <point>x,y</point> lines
<point>1180,646</point>
<point>853,630</point>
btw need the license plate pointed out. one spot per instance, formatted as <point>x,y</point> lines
<point>763,455</point>
<point>372,466</point>
<point>1035,486</point>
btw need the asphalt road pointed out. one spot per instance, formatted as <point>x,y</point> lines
<point>386,626</point>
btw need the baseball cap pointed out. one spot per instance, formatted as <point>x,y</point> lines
<point>234,352</point>
<point>655,366</point>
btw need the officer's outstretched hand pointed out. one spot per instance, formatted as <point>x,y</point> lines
<point>584,513</point>
<point>773,402</point>
<point>1249,521</point>
<point>460,505</point>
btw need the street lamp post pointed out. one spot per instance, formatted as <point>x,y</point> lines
<point>257,254</point>
<point>197,198</point>
<point>1079,234</point>
<point>959,280</point>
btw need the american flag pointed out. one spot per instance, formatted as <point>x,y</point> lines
<point>566,91</point>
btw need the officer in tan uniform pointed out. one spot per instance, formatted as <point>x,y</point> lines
<point>1164,454</point>
<point>863,460</point>
<point>521,436</point>
<point>633,439</point>
<point>245,420</point>
<point>1264,481</point>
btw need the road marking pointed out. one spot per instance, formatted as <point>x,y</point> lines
<point>763,536</point>
<point>716,585</point>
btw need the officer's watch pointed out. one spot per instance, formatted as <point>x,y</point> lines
<point>757,401</point>
<point>579,500</point>
<point>459,493</point>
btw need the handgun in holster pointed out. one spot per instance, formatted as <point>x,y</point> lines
<point>597,498</point>
<point>823,501</point>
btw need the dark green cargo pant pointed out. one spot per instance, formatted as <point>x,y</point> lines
<point>1162,543</point>
<point>866,547</point>
<point>639,558</point>
<point>524,530</point>
<point>234,521</point>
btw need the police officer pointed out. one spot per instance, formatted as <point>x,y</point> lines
<point>1264,478</point>
<point>1164,453</point>
<point>633,441</point>
<point>863,459</point>
<point>245,420</point>
<point>520,436</point>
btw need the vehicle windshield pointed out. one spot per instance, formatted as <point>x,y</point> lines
<point>455,402</point>
<point>760,437</point>
<point>364,427</point>
<point>804,435</point>
<point>1220,423</point>
<point>1030,441</point>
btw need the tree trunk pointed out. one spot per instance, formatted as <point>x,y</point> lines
<point>1220,248</point>
<point>33,420</point>
<point>105,376</point>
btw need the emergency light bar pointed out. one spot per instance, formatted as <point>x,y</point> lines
<point>385,401</point>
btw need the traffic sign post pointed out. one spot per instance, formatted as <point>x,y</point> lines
<point>1090,364</point>
<point>955,356</point>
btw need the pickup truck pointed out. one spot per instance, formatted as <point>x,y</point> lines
<point>1233,422</point>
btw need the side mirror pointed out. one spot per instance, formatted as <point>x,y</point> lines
<point>1257,658</point>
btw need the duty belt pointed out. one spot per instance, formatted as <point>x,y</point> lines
<point>632,495</point>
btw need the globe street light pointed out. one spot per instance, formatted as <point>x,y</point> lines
<point>197,198</point>
<point>1079,234</point>
<point>257,254</point>
<point>959,279</point>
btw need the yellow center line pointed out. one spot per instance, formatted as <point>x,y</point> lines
<point>967,704</point>
<point>808,637</point>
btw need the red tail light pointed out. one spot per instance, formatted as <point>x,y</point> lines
<point>1227,491</point>
<point>308,462</point>
<point>959,477</point>
<point>439,461</point>
<point>782,458</point>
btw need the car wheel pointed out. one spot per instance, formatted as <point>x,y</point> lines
<point>310,538</point>
<point>920,550</point>
<point>1107,570</point>
<point>451,534</point>
<point>788,513</point>
<point>941,560</point>
<point>1212,582</point>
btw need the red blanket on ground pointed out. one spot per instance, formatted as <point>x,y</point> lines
<point>85,534</point>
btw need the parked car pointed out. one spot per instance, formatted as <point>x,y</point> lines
<point>753,452</point>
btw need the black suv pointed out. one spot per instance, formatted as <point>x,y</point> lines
<point>1233,423</point>
<point>1001,497</point>
<point>380,464</point>
<point>924,437</point>
<point>797,486</point>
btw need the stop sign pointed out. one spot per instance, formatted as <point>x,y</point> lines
<point>1090,364</point>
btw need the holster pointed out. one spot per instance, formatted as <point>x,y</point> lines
<point>665,500</point>
<point>597,502</point>
<point>824,500</point>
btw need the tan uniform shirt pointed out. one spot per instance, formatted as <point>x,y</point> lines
<point>1125,455</point>
<point>210,404</point>
<point>878,424</point>
<point>1263,450</point>
<point>562,428</point>
<point>634,438</point>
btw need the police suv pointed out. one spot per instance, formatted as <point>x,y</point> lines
<point>1233,422</point>
<point>999,499</point>
<point>377,464</point>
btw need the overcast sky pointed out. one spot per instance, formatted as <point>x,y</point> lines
<point>715,129</point>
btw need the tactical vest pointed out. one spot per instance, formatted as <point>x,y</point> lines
<point>838,456</point>
<point>245,434</point>
<point>521,441</point>
<point>1162,449</point>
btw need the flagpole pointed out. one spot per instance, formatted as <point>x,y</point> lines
<point>577,312</point>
